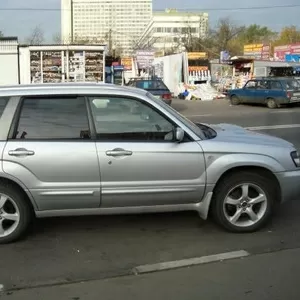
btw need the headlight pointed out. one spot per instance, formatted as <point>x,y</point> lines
<point>296,158</point>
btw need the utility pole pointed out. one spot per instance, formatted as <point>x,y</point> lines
<point>110,41</point>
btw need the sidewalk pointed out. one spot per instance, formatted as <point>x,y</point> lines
<point>272,276</point>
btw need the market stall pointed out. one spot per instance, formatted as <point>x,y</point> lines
<point>62,63</point>
<point>241,72</point>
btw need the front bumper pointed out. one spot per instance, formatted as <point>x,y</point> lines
<point>290,185</point>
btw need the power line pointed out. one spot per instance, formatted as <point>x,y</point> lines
<point>266,7</point>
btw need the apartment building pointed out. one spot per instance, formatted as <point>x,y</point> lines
<point>119,23</point>
<point>169,29</point>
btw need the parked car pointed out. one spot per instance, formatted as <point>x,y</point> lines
<point>155,86</point>
<point>91,149</point>
<point>270,91</point>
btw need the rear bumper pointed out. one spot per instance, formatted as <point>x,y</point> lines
<point>289,184</point>
<point>168,101</point>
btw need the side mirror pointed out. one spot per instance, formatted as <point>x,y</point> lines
<point>179,134</point>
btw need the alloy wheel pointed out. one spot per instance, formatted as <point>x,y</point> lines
<point>245,205</point>
<point>9,215</point>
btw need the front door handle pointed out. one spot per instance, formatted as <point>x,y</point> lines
<point>20,152</point>
<point>118,152</point>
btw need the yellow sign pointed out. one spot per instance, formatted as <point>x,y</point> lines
<point>197,55</point>
<point>159,53</point>
<point>253,48</point>
<point>197,68</point>
<point>127,63</point>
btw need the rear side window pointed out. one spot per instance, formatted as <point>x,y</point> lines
<point>151,85</point>
<point>275,85</point>
<point>3,103</point>
<point>53,118</point>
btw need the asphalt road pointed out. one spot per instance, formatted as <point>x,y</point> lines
<point>270,276</point>
<point>86,248</point>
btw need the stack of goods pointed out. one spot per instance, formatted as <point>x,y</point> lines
<point>204,92</point>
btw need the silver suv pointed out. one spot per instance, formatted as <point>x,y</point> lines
<point>93,149</point>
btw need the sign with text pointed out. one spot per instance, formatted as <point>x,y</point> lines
<point>197,55</point>
<point>197,68</point>
<point>127,63</point>
<point>281,51</point>
<point>144,58</point>
<point>257,51</point>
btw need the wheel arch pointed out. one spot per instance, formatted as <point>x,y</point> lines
<point>21,188</point>
<point>254,169</point>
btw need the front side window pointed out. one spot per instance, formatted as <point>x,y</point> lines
<point>126,119</point>
<point>52,118</point>
<point>262,84</point>
<point>250,84</point>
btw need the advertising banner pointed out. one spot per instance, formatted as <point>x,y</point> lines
<point>281,51</point>
<point>144,58</point>
<point>257,51</point>
<point>127,63</point>
<point>292,57</point>
<point>197,55</point>
<point>224,57</point>
<point>198,68</point>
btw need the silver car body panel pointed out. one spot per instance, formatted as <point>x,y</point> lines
<point>155,174</point>
<point>157,177</point>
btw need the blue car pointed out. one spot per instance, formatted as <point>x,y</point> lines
<point>270,91</point>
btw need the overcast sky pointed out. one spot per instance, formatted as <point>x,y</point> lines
<point>20,23</point>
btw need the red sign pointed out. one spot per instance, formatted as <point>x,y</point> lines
<point>281,51</point>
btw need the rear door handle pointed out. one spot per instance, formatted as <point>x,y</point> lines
<point>20,152</point>
<point>118,152</point>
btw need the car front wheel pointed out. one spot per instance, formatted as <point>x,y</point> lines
<point>243,201</point>
<point>15,214</point>
<point>234,100</point>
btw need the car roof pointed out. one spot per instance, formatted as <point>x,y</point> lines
<point>68,89</point>
<point>274,78</point>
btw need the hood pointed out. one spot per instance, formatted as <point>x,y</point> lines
<point>238,134</point>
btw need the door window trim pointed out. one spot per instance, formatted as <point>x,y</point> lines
<point>188,138</point>
<point>16,119</point>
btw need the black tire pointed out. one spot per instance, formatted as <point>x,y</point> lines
<point>25,212</point>
<point>228,183</point>
<point>234,100</point>
<point>271,103</point>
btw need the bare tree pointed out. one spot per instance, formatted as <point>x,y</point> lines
<point>36,37</point>
<point>224,33</point>
<point>56,38</point>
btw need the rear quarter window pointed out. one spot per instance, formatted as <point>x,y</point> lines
<point>3,103</point>
<point>151,85</point>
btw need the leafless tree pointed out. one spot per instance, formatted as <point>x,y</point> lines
<point>56,38</point>
<point>36,37</point>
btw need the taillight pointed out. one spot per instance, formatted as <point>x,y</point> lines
<point>166,96</point>
<point>289,95</point>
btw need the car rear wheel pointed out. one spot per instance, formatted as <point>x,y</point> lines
<point>234,100</point>
<point>271,103</point>
<point>243,202</point>
<point>15,214</point>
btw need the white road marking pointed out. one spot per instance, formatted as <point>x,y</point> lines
<point>189,262</point>
<point>272,127</point>
<point>207,115</point>
<point>282,111</point>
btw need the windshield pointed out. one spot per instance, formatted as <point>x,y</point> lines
<point>188,123</point>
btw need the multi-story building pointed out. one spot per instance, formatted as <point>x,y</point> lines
<point>171,29</point>
<point>119,23</point>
